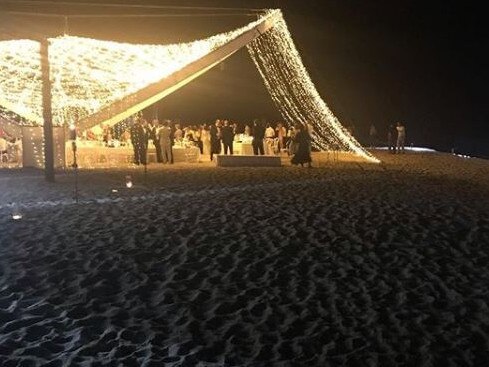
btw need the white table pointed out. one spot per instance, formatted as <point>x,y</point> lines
<point>91,154</point>
<point>242,148</point>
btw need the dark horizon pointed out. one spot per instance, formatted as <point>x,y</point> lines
<point>373,62</point>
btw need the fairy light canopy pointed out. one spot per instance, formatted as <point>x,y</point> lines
<point>89,76</point>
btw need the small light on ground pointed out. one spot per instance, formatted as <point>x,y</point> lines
<point>16,214</point>
<point>128,182</point>
<point>115,190</point>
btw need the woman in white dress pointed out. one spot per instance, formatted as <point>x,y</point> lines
<point>206,141</point>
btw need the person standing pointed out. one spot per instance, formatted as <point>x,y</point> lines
<point>164,138</point>
<point>106,135</point>
<point>139,142</point>
<point>291,146</point>
<point>235,128</point>
<point>227,134</point>
<point>373,136</point>
<point>3,148</point>
<point>247,131</point>
<point>215,140</point>
<point>391,136</point>
<point>145,141</point>
<point>178,134</point>
<point>198,137</point>
<point>154,129</point>
<point>401,137</point>
<point>269,132</point>
<point>133,130</point>
<point>303,142</point>
<point>281,134</point>
<point>188,134</point>
<point>206,140</point>
<point>258,136</point>
<point>269,139</point>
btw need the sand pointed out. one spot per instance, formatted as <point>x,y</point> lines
<point>343,264</point>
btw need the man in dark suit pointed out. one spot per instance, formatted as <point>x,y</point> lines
<point>164,137</point>
<point>215,139</point>
<point>139,140</point>
<point>154,127</point>
<point>227,134</point>
<point>258,136</point>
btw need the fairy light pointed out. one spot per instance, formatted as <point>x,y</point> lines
<point>129,182</point>
<point>16,214</point>
<point>33,136</point>
<point>88,75</point>
<point>294,93</point>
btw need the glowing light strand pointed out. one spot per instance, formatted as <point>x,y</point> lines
<point>294,93</point>
<point>89,74</point>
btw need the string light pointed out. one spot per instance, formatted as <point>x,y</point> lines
<point>88,75</point>
<point>290,86</point>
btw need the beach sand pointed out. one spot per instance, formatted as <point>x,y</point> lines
<point>344,264</point>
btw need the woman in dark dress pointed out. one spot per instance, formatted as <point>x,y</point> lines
<point>215,139</point>
<point>302,141</point>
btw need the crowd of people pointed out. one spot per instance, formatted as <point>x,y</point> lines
<point>396,137</point>
<point>220,137</point>
<point>211,139</point>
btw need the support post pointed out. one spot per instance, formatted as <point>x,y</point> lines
<point>47,113</point>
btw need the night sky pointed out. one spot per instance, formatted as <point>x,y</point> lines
<point>377,62</point>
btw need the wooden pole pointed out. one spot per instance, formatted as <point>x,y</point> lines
<point>47,113</point>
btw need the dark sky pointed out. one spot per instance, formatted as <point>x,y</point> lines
<point>372,61</point>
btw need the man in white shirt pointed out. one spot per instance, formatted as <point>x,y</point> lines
<point>164,139</point>
<point>269,137</point>
<point>178,136</point>
<point>401,137</point>
<point>281,135</point>
<point>269,132</point>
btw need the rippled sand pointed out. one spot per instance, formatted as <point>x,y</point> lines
<point>342,264</point>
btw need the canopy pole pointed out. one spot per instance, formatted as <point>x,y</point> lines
<point>47,113</point>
